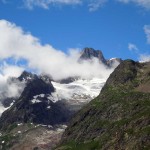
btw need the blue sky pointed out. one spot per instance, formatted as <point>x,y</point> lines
<point>46,36</point>
<point>114,26</point>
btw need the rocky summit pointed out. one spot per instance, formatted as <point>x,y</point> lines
<point>90,53</point>
<point>119,118</point>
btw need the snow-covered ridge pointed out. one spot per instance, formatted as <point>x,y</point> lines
<point>113,58</point>
<point>76,93</point>
<point>79,91</point>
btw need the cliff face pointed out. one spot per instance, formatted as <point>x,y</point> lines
<point>90,53</point>
<point>119,117</point>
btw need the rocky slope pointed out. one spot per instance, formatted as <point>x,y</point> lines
<point>34,120</point>
<point>26,133</point>
<point>36,105</point>
<point>119,117</point>
<point>31,137</point>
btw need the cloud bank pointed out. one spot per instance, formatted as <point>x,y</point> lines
<point>143,3</point>
<point>144,58</point>
<point>7,87</point>
<point>17,45</point>
<point>30,4</point>
<point>92,4</point>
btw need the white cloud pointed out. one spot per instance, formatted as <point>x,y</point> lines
<point>147,32</point>
<point>142,3</point>
<point>132,47</point>
<point>144,58</point>
<point>8,88</point>
<point>93,5</point>
<point>8,70</point>
<point>30,4</point>
<point>96,4</point>
<point>17,44</point>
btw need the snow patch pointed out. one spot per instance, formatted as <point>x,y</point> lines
<point>54,97</point>
<point>40,95</point>
<point>12,103</point>
<point>113,59</point>
<point>19,132</point>
<point>19,124</point>
<point>29,78</point>
<point>35,97</point>
<point>35,101</point>
<point>79,91</point>
<point>48,107</point>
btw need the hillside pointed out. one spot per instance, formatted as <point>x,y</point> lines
<point>118,118</point>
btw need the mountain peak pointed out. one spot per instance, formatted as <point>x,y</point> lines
<point>89,53</point>
<point>25,76</point>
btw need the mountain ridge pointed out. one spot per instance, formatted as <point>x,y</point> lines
<point>118,118</point>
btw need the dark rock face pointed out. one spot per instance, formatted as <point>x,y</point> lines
<point>89,53</point>
<point>36,87</point>
<point>119,117</point>
<point>46,78</point>
<point>27,76</point>
<point>36,105</point>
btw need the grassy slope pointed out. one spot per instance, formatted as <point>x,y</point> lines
<point>118,118</point>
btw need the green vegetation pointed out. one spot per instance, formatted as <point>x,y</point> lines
<point>11,127</point>
<point>7,141</point>
<point>118,118</point>
<point>88,145</point>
